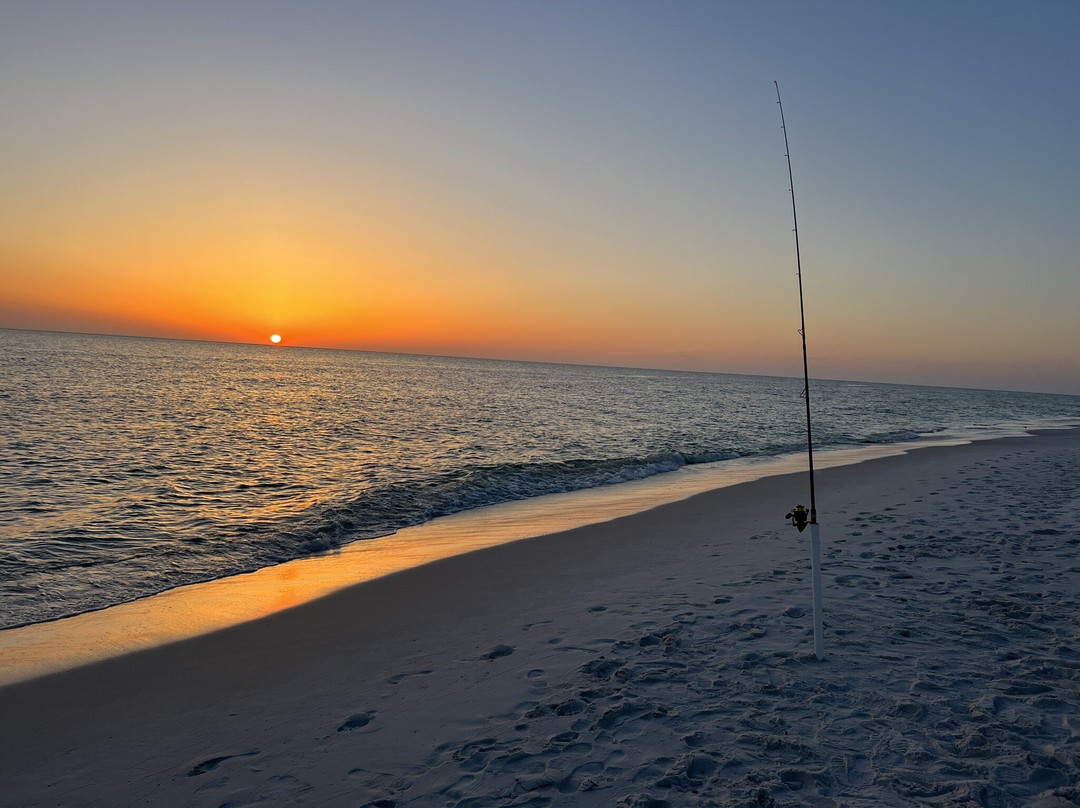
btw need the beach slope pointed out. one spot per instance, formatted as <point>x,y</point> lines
<point>663,658</point>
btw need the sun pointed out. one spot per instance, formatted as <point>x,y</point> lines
<point>275,338</point>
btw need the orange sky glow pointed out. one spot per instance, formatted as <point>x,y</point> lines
<point>546,186</point>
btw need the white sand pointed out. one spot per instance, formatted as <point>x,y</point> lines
<point>659,659</point>
<point>189,611</point>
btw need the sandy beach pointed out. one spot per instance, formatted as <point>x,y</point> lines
<point>663,658</point>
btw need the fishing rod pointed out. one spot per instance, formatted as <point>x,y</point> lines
<point>798,515</point>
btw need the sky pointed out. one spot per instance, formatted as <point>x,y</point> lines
<point>588,182</point>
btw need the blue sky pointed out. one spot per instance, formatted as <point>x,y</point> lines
<point>591,181</point>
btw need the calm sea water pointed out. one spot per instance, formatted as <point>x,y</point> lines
<point>131,466</point>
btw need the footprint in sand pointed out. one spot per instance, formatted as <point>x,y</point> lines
<point>357,720</point>
<point>401,677</point>
<point>212,763</point>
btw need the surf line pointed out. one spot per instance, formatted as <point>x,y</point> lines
<point>798,515</point>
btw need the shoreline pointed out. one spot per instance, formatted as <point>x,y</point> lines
<point>191,610</point>
<point>665,655</point>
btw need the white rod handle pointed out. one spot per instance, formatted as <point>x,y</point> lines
<point>815,568</point>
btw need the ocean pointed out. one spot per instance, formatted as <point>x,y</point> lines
<point>131,466</point>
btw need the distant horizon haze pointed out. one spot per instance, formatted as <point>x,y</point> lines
<point>791,373</point>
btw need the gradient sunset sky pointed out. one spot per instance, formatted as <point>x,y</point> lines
<point>589,182</point>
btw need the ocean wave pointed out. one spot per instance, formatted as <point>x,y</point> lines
<point>896,436</point>
<point>135,466</point>
<point>382,511</point>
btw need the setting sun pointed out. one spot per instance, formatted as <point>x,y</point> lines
<point>275,338</point>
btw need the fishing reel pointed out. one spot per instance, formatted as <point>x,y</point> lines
<point>799,517</point>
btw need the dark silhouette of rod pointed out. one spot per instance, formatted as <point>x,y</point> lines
<point>815,530</point>
<point>802,312</point>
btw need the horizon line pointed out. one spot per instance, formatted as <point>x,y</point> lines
<point>281,346</point>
